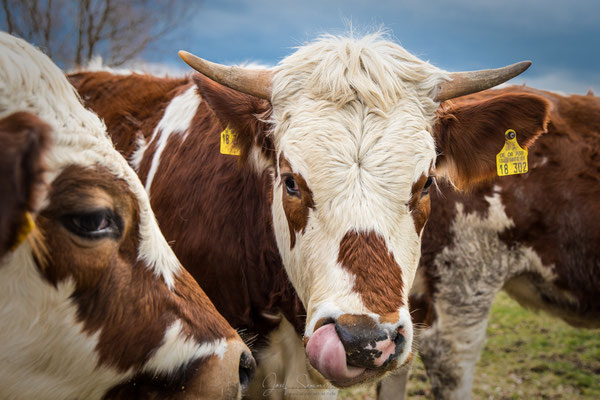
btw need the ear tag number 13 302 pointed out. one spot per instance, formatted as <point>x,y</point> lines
<point>512,159</point>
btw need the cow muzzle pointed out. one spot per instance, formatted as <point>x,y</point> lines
<point>354,348</point>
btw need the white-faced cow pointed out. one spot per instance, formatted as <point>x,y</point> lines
<point>93,302</point>
<point>534,235</point>
<point>330,190</point>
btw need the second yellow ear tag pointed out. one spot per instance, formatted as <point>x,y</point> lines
<point>27,226</point>
<point>512,159</point>
<point>228,140</point>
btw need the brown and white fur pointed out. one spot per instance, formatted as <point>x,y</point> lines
<point>328,196</point>
<point>534,235</point>
<point>93,302</point>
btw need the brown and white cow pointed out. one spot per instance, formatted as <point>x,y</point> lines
<point>333,177</point>
<point>93,302</point>
<point>535,236</point>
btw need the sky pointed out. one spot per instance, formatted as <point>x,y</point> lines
<point>562,38</point>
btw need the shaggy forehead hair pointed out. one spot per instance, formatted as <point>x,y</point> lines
<point>362,108</point>
<point>30,81</point>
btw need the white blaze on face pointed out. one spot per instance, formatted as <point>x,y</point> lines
<point>353,118</point>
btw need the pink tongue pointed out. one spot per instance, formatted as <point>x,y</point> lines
<point>326,353</point>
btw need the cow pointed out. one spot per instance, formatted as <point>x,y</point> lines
<point>534,235</point>
<point>94,303</point>
<point>318,220</point>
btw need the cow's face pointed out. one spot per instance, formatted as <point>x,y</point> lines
<point>94,302</point>
<point>349,204</point>
<point>353,132</point>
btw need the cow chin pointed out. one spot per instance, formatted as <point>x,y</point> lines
<point>349,349</point>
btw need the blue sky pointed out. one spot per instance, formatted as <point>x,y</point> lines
<point>562,38</point>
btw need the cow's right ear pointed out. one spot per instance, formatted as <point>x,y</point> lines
<point>24,138</point>
<point>469,132</point>
<point>244,114</point>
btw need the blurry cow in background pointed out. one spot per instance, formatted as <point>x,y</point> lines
<point>536,236</point>
<point>93,302</point>
<point>324,208</point>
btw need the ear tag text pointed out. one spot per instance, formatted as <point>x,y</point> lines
<point>228,140</point>
<point>512,159</point>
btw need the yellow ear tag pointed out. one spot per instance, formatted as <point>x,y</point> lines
<point>26,228</point>
<point>512,159</point>
<point>228,139</point>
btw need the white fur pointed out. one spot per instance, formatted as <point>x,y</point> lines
<point>450,348</point>
<point>176,120</point>
<point>29,81</point>
<point>43,352</point>
<point>176,350</point>
<point>354,118</point>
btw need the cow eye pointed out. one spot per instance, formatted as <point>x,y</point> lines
<point>291,186</point>
<point>427,184</point>
<point>94,224</point>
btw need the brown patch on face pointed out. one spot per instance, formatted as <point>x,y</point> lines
<point>24,137</point>
<point>116,295</point>
<point>419,204</point>
<point>389,318</point>
<point>378,278</point>
<point>296,204</point>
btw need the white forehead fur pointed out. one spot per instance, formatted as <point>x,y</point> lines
<point>354,117</point>
<point>30,81</point>
<point>360,103</point>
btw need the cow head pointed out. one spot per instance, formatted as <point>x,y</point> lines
<point>353,136</point>
<point>93,302</point>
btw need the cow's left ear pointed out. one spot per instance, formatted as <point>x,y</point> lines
<point>469,133</point>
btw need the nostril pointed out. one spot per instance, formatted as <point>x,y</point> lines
<point>246,369</point>
<point>399,336</point>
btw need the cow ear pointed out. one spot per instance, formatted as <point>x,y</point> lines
<point>469,133</point>
<point>244,114</point>
<point>24,138</point>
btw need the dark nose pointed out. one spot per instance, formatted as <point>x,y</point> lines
<point>367,344</point>
<point>247,369</point>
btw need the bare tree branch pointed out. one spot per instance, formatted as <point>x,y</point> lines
<point>74,32</point>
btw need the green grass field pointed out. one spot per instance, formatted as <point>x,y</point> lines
<point>527,356</point>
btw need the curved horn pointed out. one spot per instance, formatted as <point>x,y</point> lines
<point>255,82</point>
<point>464,83</point>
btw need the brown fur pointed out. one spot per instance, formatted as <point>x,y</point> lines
<point>251,132</point>
<point>116,295</point>
<point>24,137</point>
<point>554,206</point>
<point>419,204</point>
<point>470,132</point>
<point>295,207</point>
<point>228,207</point>
<point>380,286</point>
<point>217,217</point>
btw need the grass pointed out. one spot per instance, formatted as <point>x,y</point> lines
<point>527,356</point>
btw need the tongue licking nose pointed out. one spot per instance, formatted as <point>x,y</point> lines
<point>326,353</point>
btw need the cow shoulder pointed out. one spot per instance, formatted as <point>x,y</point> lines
<point>24,137</point>
<point>470,132</point>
